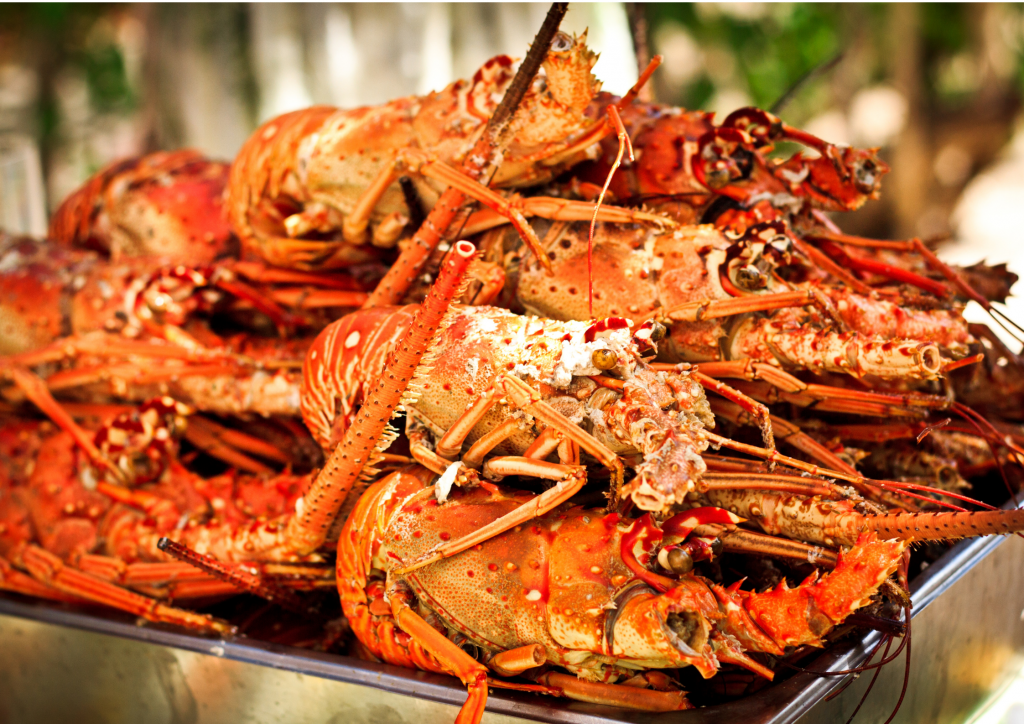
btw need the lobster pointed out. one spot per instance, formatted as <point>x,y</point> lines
<point>320,188</point>
<point>80,536</point>
<point>47,294</point>
<point>524,388</point>
<point>600,595</point>
<point>685,162</point>
<point>707,286</point>
<point>266,533</point>
<point>85,323</point>
<point>167,205</point>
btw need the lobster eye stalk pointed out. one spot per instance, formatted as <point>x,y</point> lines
<point>604,359</point>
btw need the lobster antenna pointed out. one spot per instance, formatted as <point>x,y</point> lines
<point>624,143</point>
<point>803,80</point>
<point>500,123</point>
<point>240,578</point>
<point>996,313</point>
<point>637,16</point>
<point>480,163</point>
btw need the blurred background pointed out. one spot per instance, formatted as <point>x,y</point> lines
<point>937,86</point>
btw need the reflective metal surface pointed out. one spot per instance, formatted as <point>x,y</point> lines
<point>61,664</point>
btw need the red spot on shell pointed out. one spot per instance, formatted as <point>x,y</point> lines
<point>492,567</point>
<point>470,574</point>
<point>445,536</point>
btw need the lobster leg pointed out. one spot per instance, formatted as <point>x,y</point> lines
<point>545,444</point>
<point>788,432</point>
<point>212,439</point>
<point>117,571</point>
<point>515,661</point>
<point>629,697</point>
<point>570,478</point>
<point>715,308</point>
<point>112,345</point>
<point>419,436</point>
<point>554,209</point>
<point>238,439</point>
<point>787,388</point>
<point>469,670</point>
<point>753,543</point>
<point>36,390</point>
<point>50,570</point>
<point>757,412</point>
<point>523,397</point>
<point>11,579</point>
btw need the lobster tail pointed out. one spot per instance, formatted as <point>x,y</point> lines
<point>934,526</point>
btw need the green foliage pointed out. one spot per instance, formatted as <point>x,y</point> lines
<point>105,75</point>
<point>773,46</point>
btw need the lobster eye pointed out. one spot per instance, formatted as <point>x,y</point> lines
<point>604,359</point>
<point>658,332</point>
<point>750,277</point>
<point>561,43</point>
<point>679,561</point>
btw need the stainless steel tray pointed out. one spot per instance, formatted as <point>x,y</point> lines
<point>61,664</point>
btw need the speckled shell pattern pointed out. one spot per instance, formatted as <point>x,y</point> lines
<point>560,581</point>
<point>639,269</point>
<point>658,415</point>
<point>326,158</point>
<point>169,205</point>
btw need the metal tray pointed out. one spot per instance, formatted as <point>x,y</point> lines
<point>59,663</point>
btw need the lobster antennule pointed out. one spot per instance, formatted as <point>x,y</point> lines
<point>936,526</point>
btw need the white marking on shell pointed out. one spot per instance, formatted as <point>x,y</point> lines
<point>483,324</point>
<point>523,371</point>
<point>533,595</point>
<point>576,359</point>
<point>88,478</point>
<point>352,340</point>
<point>443,486</point>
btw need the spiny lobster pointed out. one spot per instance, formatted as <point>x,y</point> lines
<point>79,537</point>
<point>709,288</point>
<point>602,596</point>
<point>311,188</point>
<point>167,205</point>
<point>524,388</point>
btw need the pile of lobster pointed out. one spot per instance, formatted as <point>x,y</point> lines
<point>576,487</point>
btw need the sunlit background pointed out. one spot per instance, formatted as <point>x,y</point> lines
<point>937,86</point>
